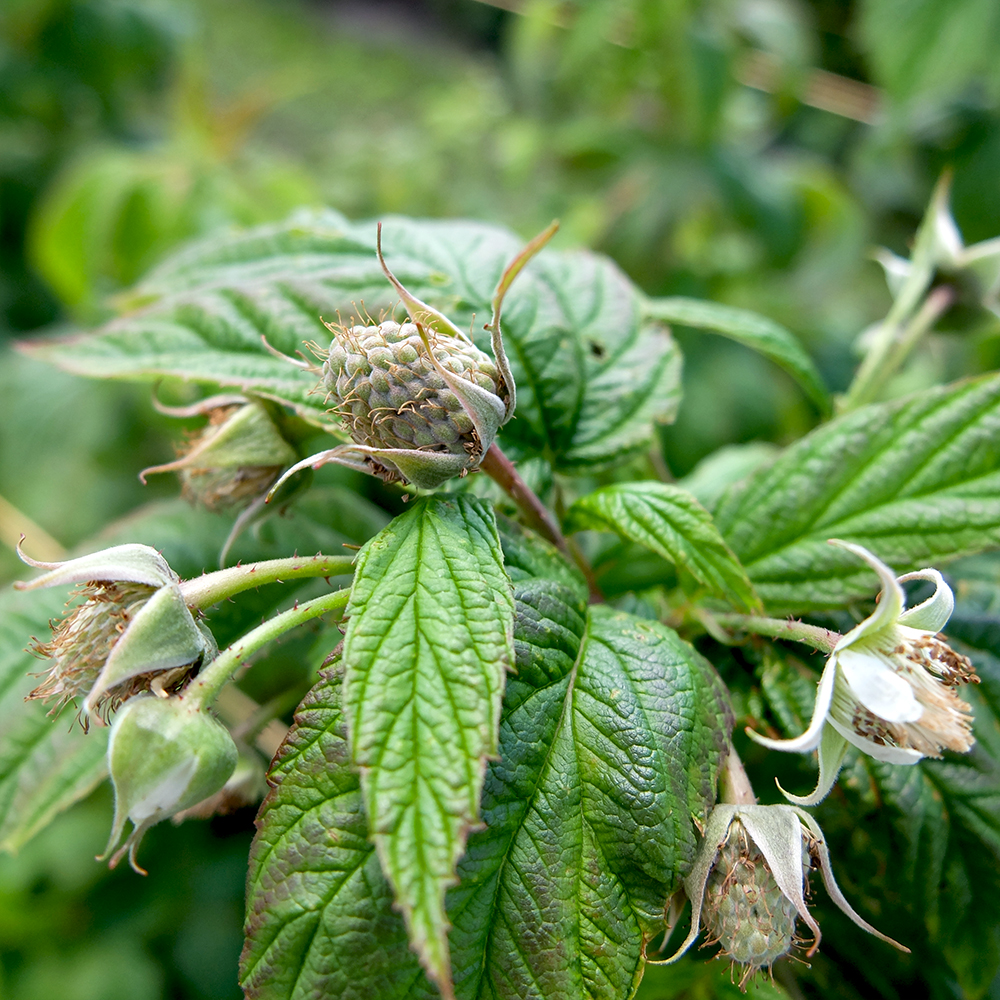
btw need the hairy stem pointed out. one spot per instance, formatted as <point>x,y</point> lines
<point>204,591</point>
<point>823,639</point>
<point>501,470</point>
<point>206,686</point>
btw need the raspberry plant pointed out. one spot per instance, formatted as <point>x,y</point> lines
<point>527,664</point>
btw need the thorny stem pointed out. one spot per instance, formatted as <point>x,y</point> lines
<point>206,686</point>
<point>734,785</point>
<point>501,470</point>
<point>823,639</point>
<point>202,592</point>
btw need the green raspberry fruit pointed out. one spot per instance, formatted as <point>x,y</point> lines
<point>745,910</point>
<point>391,395</point>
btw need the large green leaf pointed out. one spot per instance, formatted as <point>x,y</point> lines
<point>670,522</point>
<point>428,644</point>
<point>592,375</point>
<point>915,481</point>
<point>748,328</point>
<point>610,738</point>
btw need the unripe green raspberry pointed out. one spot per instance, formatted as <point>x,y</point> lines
<point>234,459</point>
<point>421,402</point>
<point>390,394</point>
<point>749,880</point>
<point>745,910</point>
<point>165,755</point>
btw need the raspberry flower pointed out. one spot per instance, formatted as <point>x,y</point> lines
<point>888,687</point>
<point>134,632</point>
<point>748,884</point>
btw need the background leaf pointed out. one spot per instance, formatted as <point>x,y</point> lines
<point>748,328</point>
<point>670,522</point>
<point>429,641</point>
<point>923,49</point>
<point>592,376</point>
<point>609,743</point>
<point>915,481</point>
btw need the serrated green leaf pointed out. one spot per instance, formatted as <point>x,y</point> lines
<point>915,481</point>
<point>592,376</point>
<point>750,329</point>
<point>320,920</point>
<point>577,887</point>
<point>670,522</point>
<point>609,743</point>
<point>428,643</point>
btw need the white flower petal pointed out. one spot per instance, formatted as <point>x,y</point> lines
<point>880,751</point>
<point>878,687</point>
<point>809,740</point>
<point>931,615</point>
<point>891,600</point>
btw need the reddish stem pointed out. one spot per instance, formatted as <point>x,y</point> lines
<point>501,470</point>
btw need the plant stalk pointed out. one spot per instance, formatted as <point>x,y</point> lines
<point>204,689</point>
<point>734,785</point>
<point>202,592</point>
<point>501,470</point>
<point>823,639</point>
<point>892,346</point>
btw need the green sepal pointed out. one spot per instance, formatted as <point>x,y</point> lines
<point>164,756</point>
<point>163,635</point>
<point>247,438</point>
<point>132,563</point>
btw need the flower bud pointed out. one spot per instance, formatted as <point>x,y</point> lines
<point>234,459</point>
<point>164,755</point>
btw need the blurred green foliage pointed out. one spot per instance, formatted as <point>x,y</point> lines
<point>681,137</point>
